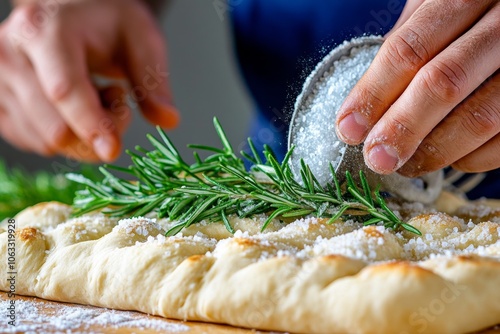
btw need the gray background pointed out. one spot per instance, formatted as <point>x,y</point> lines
<point>204,79</point>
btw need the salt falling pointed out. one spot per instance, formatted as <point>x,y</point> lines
<point>316,140</point>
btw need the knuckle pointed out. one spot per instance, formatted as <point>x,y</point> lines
<point>373,96</point>
<point>483,119</point>
<point>33,23</point>
<point>33,18</point>
<point>25,15</point>
<point>402,125</point>
<point>444,82</point>
<point>367,101</point>
<point>435,154</point>
<point>406,48</point>
<point>59,89</point>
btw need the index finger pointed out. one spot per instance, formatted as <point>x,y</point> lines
<point>60,66</point>
<point>429,30</point>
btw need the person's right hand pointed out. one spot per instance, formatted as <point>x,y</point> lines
<point>48,52</point>
<point>431,97</point>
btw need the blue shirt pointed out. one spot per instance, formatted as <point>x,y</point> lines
<point>279,42</point>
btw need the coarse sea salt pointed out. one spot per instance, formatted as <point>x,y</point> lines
<point>138,225</point>
<point>32,319</point>
<point>316,141</point>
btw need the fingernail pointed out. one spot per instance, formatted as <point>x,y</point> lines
<point>382,159</point>
<point>353,128</point>
<point>105,147</point>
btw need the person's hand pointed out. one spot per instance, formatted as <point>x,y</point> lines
<point>49,51</point>
<point>431,97</point>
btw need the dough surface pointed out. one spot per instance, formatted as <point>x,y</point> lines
<point>301,277</point>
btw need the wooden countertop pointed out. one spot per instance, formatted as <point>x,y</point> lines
<point>49,320</point>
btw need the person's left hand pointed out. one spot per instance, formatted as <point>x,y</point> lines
<point>431,97</point>
<point>50,54</point>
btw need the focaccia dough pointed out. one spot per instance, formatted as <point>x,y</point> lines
<point>304,277</point>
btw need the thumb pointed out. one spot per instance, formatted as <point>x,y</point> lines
<point>146,66</point>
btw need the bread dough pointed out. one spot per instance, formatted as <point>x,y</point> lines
<point>304,277</point>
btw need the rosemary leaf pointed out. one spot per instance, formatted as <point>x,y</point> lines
<point>226,222</point>
<point>273,215</point>
<point>338,214</point>
<point>366,188</point>
<point>410,228</point>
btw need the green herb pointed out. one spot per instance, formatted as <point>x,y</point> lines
<point>218,186</point>
<point>20,189</point>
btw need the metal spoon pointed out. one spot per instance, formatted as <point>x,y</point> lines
<point>424,189</point>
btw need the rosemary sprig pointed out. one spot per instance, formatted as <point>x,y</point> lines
<point>218,186</point>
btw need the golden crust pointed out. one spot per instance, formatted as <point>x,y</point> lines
<point>305,276</point>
